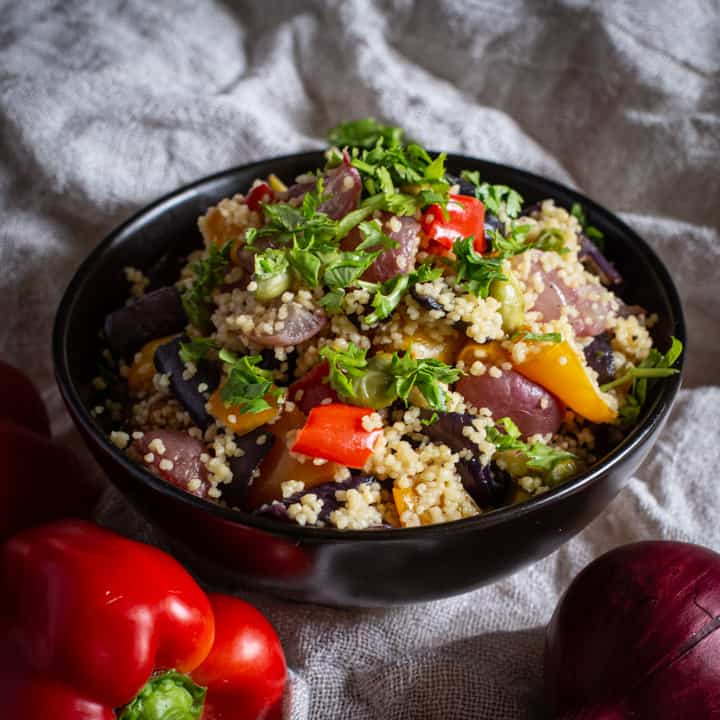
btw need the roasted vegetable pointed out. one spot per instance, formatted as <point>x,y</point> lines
<point>193,392</point>
<point>337,432</point>
<point>155,315</point>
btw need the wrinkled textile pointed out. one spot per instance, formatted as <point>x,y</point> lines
<point>105,106</point>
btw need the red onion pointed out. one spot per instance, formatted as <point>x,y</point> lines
<point>635,636</point>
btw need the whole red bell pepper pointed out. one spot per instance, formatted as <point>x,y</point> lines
<point>463,217</point>
<point>94,626</point>
<point>336,432</point>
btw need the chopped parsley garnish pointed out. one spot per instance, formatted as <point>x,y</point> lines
<point>307,241</point>
<point>501,200</point>
<point>596,235</point>
<point>403,374</point>
<point>426,375</point>
<point>197,349</point>
<point>399,178</point>
<point>208,275</point>
<point>288,224</point>
<point>364,133</point>
<point>539,456</point>
<point>656,365</point>
<point>475,272</point>
<point>387,295</point>
<point>247,384</point>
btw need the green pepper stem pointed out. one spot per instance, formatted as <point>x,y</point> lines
<point>168,696</point>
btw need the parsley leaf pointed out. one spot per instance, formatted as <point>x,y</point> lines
<point>424,374</point>
<point>388,294</point>
<point>247,384</point>
<point>501,200</point>
<point>596,235</point>
<point>364,133</point>
<point>197,349</point>
<point>512,244</point>
<point>655,366</point>
<point>348,367</point>
<point>208,275</point>
<point>551,239</point>
<point>345,365</point>
<point>386,166</point>
<point>374,237</point>
<point>475,271</point>
<point>538,455</point>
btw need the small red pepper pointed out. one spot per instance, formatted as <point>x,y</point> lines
<point>310,390</point>
<point>261,193</point>
<point>465,217</point>
<point>91,622</point>
<point>245,671</point>
<point>335,432</point>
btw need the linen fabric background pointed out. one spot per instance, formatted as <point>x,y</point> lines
<point>106,105</point>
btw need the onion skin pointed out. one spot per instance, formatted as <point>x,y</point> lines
<point>637,635</point>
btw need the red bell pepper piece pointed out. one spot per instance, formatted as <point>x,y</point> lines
<point>465,217</point>
<point>310,390</point>
<point>335,432</point>
<point>261,193</point>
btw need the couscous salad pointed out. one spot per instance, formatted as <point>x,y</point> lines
<point>377,343</point>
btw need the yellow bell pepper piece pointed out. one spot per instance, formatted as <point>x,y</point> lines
<point>559,369</point>
<point>276,183</point>
<point>238,422</point>
<point>142,371</point>
<point>422,346</point>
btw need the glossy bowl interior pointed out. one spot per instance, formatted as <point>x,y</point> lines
<point>348,568</point>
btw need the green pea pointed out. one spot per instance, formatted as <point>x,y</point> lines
<point>272,287</point>
<point>512,305</point>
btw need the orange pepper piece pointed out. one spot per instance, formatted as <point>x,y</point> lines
<point>559,369</point>
<point>239,422</point>
<point>142,371</point>
<point>280,465</point>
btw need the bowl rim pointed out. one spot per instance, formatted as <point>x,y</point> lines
<point>654,415</point>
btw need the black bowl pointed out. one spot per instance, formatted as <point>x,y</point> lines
<point>349,568</point>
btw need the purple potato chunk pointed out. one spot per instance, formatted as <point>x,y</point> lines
<point>243,466</point>
<point>487,485</point>
<point>599,356</point>
<point>149,317</point>
<point>597,263</point>
<point>168,361</point>
<point>325,492</point>
<point>447,428</point>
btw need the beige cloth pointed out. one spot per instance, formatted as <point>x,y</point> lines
<point>105,106</point>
